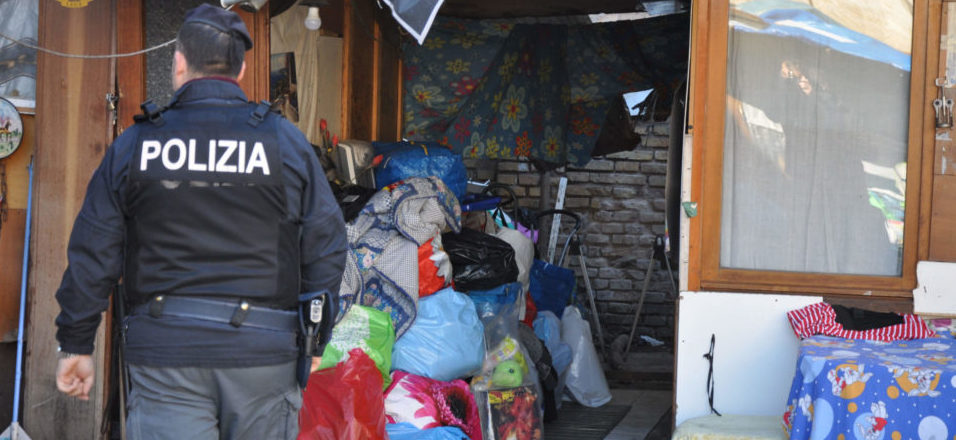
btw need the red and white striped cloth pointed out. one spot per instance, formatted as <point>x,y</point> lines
<point>820,319</point>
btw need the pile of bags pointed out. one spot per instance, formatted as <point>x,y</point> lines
<point>438,336</point>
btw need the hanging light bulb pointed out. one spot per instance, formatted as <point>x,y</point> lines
<point>313,21</point>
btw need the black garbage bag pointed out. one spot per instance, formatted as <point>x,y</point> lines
<point>479,261</point>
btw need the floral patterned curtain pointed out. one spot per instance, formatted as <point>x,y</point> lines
<point>500,90</point>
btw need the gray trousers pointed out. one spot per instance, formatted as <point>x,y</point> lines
<point>213,403</point>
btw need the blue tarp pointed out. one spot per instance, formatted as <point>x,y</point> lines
<point>798,20</point>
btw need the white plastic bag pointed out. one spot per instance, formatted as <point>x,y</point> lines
<point>585,378</point>
<point>524,253</point>
<point>524,256</point>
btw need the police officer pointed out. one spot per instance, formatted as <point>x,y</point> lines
<point>216,215</point>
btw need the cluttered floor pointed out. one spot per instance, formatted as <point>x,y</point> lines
<point>640,407</point>
<point>645,384</point>
<point>454,323</point>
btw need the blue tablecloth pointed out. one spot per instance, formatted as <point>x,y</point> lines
<point>867,390</point>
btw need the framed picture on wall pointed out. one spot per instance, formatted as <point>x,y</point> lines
<point>11,128</point>
<point>282,85</point>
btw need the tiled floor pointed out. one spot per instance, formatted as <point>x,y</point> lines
<point>647,407</point>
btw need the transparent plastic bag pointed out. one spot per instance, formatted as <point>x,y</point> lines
<point>507,390</point>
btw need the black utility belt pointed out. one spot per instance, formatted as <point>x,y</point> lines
<point>237,313</point>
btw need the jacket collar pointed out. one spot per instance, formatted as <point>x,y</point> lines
<point>209,88</point>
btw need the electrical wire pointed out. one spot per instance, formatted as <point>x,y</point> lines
<point>83,56</point>
<point>92,57</point>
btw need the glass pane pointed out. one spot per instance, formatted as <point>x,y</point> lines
<point>18,63</point>
<point>162,21</point>
<point>816,136</point>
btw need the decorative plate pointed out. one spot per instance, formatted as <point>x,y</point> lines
<point>11,128</point>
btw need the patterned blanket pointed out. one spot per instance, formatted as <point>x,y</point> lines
<point>382,267</point>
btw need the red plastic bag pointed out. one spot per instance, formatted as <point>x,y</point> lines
<point>344,402</point>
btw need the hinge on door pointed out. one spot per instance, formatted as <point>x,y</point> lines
<point>112,101</point>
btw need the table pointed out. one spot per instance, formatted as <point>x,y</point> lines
<point>868,390</point>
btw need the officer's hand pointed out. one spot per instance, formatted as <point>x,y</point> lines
<point>74,376</point>
<point>316,361</point>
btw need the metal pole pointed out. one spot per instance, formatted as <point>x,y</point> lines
<point>23,297</point>
<point>640,302</point>
<point>594,310</point>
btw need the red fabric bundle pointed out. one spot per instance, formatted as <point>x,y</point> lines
<point>820,319</point>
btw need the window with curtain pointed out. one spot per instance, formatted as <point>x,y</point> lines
<point>816,135</point>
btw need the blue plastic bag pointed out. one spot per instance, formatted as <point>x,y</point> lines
<point>547,327</point>
<point>407,431</point>
<point>489,302</point>
<point>446,341</point>
<point>401,160</point>
<point>551,286</point>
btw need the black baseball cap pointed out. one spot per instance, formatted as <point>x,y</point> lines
<point>226,21</point>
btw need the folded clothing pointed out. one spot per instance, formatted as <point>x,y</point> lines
<point>821,319</point>
<point>852,318</point>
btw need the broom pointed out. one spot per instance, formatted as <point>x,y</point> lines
<point>15,432</point>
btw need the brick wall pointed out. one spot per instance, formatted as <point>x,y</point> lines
<point>621,199</point>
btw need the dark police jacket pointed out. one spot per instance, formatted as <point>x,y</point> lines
<point>209,202</point>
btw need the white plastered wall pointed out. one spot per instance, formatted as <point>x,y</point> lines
<point>755,352</point>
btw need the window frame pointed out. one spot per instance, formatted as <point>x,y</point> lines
<point>706,118</point>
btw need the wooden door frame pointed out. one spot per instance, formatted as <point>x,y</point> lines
<point>707,112</point>
<point>74,127</point>
<point>73,130</point>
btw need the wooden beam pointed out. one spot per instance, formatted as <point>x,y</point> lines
<point>11,257</point>
<point>934,57</point>
<point>255,83</point>
<point>359,58</point>
<point>701,32</point>
<point>388,78</point>
<point>347,26</point>
<point>376,75</point>
<point>73,131</point>
<point>942,241</point>
<point>916,148</point>
<point>130,71</point>
<point>400,104</point>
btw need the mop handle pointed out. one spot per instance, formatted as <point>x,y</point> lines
<point>23,296</point>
